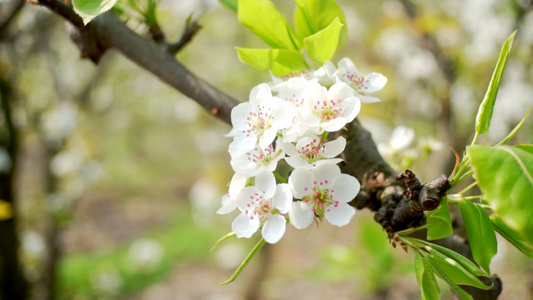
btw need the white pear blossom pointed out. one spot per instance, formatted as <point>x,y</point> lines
<point>328,110</point>
<point>348,73</point>
<point>311,151</point>
<point>257,159</point>
<point>229,200</point>
<point>324,192</point>
<point>262,205</point>
<point>258,120</point>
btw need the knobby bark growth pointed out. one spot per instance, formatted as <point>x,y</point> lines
<point>398,204</point>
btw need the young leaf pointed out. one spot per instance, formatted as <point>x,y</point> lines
<point>426,278</point>
<point>231,4</point>
<point>480,233</point>
<point>439,223</point>
<point>90,9</point>
<point>484,113</point>
<point>311,16</point>
<point>279,61</point>
<point>263,19</point>
<point>322,45</point>
<point>505,176</point>
<point>510,235</point>
<point>456,273</point>
<point>513,132</point>
<point>462,293</point>
<point>446,253</point>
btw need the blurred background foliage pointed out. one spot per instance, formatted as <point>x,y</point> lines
<point>119,176</point>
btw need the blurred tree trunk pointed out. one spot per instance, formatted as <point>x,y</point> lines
<point>13,285</point>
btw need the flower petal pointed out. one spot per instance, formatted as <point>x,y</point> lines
<point>301,182</point>
<point>282,198</point>
<point>228,205</point>
<point>334,148</point>
<point>243,226</point>
<point>274,228</point>
<point>239,114</point>
<point>340,215</point>
<point>300,214</point>
<point>265,182</point>
<point>326,173</point>
<point>345,188</point>
<point>237,183</point>
<point>245,197</point>
<point>374,82</point>
<point>351,108</point>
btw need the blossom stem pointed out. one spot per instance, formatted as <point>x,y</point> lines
<point>468,188</point>
<point>245,262</point>
<point>227,236</point>
<point>283,180</point>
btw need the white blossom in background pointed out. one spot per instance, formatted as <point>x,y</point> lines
<point>258,120</point>
<point>347,72</point>
<point>262,205</point>
<point>312,151</point>
<point>59,122</point>
<point>324,192</point>
<point>145,253</point>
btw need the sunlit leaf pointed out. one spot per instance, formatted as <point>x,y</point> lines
<point>444,276</point>
<point>439,222</point>
<point>510,235</point>
<point>263,19</point>
<point>484,114</point>
<point>279,61</point>
<point>481,235</point>
<point>311,16</point>
<point>90,9</point>
<point>426,278</point>
<point>456,273</point>
<point>231,4</point>
<point>322,45</point>
<point>505,176</point>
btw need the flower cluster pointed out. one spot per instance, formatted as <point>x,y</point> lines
<point>290,119</point>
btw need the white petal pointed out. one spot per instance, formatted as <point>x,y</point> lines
<point>228,205</point>
<point>300,214</point>
<point>332,161</point>
<point>374,82</point>
<point>239,114</point>
<point>282,198</point>
<point>274,229</point>
<point>340,90</point>
<point>243,226</point>
<point>298,162</point>
<point>367,99</point>
<point>301,182</point>
<point>267,138</point>
<point>238,181</point>
<point>326,172</point>
<point>340,215</point>
<point>241,144</point>
<point>245,197</point>
<point>347,64</point>
<point>265,183</point>
<point>335,147</point>
<point>305,116</point>
<point>345,188</point>
<point>289,149</point>
<point>351,107</point>
<point>334,125</point>
<point>260,92</point>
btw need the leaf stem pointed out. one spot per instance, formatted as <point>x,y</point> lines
<point>468,188</point>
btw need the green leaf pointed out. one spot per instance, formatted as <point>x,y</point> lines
<point>481,235</point>
<point>311,16</point>
<point>279,61</point>
<point>505,176</point>
<point>426,278</point>
<point>439,223</point>
<point>231,4</point>
<point>455,272</point>
<point>510,235</point>
<point>484,113</point>
<point>322,45</point>
<point>513,132</point>
<point>245,262</point>
<point>90,9</point>
<point>446,253</point>
<point>440,272</point>
<point>263,19</point>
